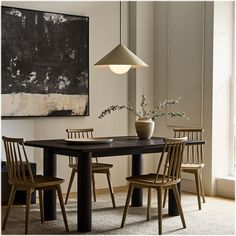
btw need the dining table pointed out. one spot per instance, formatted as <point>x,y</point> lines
<point>84,152</point>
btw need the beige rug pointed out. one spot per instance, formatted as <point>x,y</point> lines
<point>216,218</point>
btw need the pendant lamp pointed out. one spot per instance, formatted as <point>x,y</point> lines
<point>120,59</point>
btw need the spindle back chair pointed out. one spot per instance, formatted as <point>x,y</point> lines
<point>194,153</point>
<point>18,166</point>
<point>193,159</point>
<point>167,176</point>
<point>97,167</point>
<point>78,133</point>
<point>21,178</point>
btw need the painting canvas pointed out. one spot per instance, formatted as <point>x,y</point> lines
<point>45,63</point>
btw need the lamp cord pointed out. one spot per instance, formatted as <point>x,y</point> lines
<point>120,22</point>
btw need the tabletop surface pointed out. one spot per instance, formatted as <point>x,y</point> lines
<point>119,144</point>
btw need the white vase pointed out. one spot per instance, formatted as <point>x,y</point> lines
<point>144,128</point>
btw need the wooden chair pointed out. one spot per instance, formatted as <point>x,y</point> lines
<point>97,168</point>
<point>164,178</point>
<point>21,178</point>
<point>193,162</point>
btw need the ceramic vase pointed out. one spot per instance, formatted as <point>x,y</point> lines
<point>144,128</point>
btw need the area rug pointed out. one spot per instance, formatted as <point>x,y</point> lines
<point>216,218</point>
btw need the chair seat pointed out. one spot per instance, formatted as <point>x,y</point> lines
<point>101,166</point>
<point>40,182</point>
<point>191,166</point>
<point>148,180</point>
<point>96,166</point>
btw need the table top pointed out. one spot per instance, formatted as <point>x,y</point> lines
<point>122,145</point>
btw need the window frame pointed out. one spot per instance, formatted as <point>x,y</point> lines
<point>232,163</point>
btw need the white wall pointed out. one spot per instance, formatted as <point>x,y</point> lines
<point>105,89</point>
<point>183,65</point>
<point>141,80</point>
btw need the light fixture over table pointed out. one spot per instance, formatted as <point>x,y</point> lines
<point>120,59</point>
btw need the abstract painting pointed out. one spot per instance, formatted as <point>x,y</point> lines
<point>45,64</point>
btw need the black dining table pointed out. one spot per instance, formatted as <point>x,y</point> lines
<point>125,145</point>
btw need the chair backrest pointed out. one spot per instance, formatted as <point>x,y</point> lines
<point>18,166</point>
<point>171,159</point>
<point>78,133</point>
<point>193,153</point>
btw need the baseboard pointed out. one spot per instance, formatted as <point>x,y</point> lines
<point>118,189</point>
<point>101,191</point>
<point>188,185</point>
<point>225,187</point>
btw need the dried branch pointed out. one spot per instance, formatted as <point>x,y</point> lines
<point>158,111</point>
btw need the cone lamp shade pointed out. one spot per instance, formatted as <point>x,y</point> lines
<point>120,59</point>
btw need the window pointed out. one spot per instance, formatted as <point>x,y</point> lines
<point>233,125</point>
<point>233,102</point>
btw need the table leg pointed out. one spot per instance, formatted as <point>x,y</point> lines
<point>49,169</point>
<point>172,206</point>
<point>84,203</point>
<point>137,169</point>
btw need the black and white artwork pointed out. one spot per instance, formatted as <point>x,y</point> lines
<point>45,63</point>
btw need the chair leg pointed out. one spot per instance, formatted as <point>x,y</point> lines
<point>94,188</point>
<point>62,207</point>
<point>159,198</point>
<point>201,186</point>
<point>198,189</point>
<point>149,203</point>
<point>10,202</point>
<point>111,188</point>
<point>28,201</point>
<point>178,202</point>
<point>41,205</point>
<point>165,197</point>
<point>70,184</point>
<point>130,191</point>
